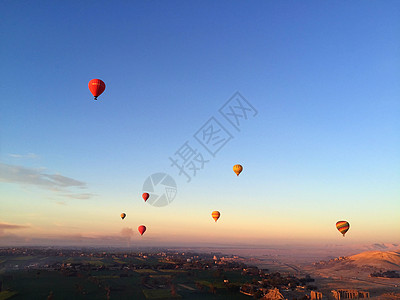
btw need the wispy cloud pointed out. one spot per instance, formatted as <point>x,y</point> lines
<point>78,239</point>
<point>63,226</point>
<point>80,196</point>
<point>8,226</point>
<point>12,226</point>
<point>37,177</point>
<point>24,156</point>
<point>62,181</point>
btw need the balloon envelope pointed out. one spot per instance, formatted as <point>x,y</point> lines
<point>123,215</point>
<point>237,169</point>
<point>145,196</point>
<point>215,215</point>
<point>343,226</point>
<point>96,87</point>
<point>142,229</point>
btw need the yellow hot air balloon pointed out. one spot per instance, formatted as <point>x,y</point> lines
<point>237,169</point>
<point>123,215</point>
<point>215,215</point>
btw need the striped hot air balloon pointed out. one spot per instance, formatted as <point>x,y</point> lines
<point>343,226</point>
<point>215,215</point>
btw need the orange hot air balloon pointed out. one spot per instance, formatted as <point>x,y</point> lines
<point>123,215</point>
<point>215,215</point>
<point>237,169</point>
<point>145,196</point>
<point>142,229</point>
<point>343,227</point>
<point>96,87</point>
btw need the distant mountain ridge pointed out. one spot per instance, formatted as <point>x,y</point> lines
<point>383,246</point>
<point>366,261</point>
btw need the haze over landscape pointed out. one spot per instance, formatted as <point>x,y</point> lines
<point>304,95</point>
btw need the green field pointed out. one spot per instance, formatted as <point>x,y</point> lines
<point>159,294</point>
<point>33,284</point>
<point>172,271</point>
<point>145,271</point>
<point>7,295</point>
<point>25,258</point>
<point>106,276</point>
<point>93,283</point>
<point>163,276</point>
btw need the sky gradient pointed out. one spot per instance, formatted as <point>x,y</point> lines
<point>324,145</point>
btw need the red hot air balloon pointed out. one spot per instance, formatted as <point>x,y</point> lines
<point>142,229</point>
<point>96,87</point>
<point>145,196</point>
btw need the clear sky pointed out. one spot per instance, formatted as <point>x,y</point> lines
<point>320,145</point>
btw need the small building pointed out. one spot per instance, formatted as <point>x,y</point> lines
<point>273,294</point>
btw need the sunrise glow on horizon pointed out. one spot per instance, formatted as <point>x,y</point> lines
<point>318,137</point>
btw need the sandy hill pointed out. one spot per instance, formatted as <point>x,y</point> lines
<point>389,260</point>
<point>369,261</point>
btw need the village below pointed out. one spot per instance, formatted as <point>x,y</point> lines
<point>51,273</point>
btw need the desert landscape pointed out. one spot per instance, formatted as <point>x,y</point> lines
<point>333,267</point>
<point>355,273</point>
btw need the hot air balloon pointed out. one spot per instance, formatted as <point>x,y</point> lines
<point>237,169</point>
<point>142,229</point>
<point>123,215</point>
<point>215,215</point>
<point>343,226</point>
<point>96,87</point>
<point>145,196</point>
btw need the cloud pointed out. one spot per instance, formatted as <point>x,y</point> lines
<point>62,226</point>
<point>12,226</point>
<point>36,177</point>
<point>80,196</point>
<point>24,156</point>
<point>63,181</point>
<point>8,226</point>
<point>63,240</point>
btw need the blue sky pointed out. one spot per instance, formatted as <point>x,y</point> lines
<point>324,145</point>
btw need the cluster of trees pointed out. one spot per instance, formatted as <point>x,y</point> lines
<point>277,280</point>
<point>387,274</point>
